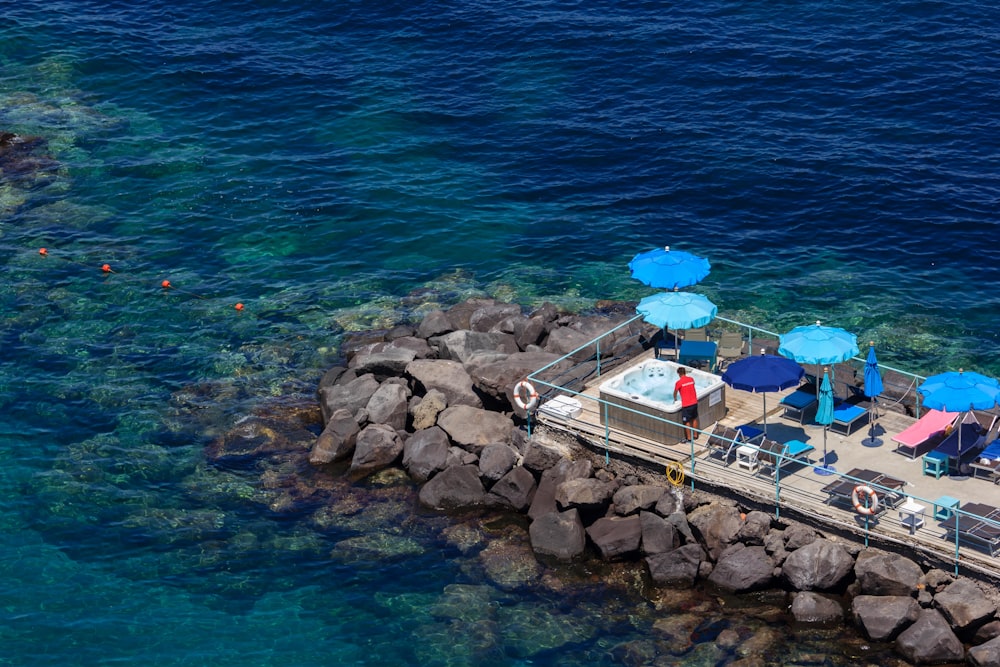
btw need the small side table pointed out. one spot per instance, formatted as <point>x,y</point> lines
<point>911,514</point>
<point>935,464</point>
<point>746,457</point>
<point>944,507</point>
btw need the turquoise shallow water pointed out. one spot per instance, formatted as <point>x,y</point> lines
<point>341,168</point>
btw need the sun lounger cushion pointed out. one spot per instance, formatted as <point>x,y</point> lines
<point>917,436</point>
<point>800,400</point>
<point>846,415</point>
<point>797,448</point>
<point>991,453</point>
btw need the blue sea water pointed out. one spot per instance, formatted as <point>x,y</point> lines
<point>341,166</point>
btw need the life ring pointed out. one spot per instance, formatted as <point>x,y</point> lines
<point>525,395</point>
<point>862,491</point>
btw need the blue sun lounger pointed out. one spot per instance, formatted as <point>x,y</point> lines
<point>845,416</point>
<point>798,403</point>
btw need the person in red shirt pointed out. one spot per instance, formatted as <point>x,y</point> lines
<point>689,400</point>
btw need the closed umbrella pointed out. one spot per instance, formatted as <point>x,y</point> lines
<point>669,269</point>
<point>763,373</point>
<point>873,387</point>
<point>824,416</point>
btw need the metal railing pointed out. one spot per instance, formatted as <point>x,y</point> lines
<point>570,374</point>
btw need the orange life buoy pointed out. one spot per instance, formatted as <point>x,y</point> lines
<point>861,491</point>
<point>525,395</point>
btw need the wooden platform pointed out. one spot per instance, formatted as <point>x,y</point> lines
<point>799,489</point>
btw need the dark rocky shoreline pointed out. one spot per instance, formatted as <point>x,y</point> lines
<point>436,400</point>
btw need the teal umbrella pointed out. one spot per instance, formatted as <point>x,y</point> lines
<point>670,269</point>
<point>824,416</point>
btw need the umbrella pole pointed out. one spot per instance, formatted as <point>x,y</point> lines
<point>823,468</point>
<point>871,440</point>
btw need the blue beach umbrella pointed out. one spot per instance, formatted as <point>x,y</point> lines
<point>960,392</point>
<point>824,416</point>
<point>677,310</point>
<point>763,373</point>
<point>669,269</point>
<point>816,344</point>
<point>873,387</point>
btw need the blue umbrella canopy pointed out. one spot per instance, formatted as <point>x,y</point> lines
<point>761,374</point>
<point>816,344</point>
<point>677,310</point>
<point>873,381</point>
<point>669,269</point>
<point>961,391</point>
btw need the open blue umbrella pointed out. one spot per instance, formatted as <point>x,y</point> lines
<point>677,310</point>
<point>960,392</point>
<point>669,269</point>
<point>873,387</point>
<point>816,344</point>
<point>763,373</point>
<point>824,416</point>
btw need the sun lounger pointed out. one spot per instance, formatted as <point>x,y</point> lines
<point>967,440</point>
<point>774,456</point>
<point>986,464</point>
<point>799,403</point>
<point>922,436</point>
<point>888,489</point>
<point>977,524</point>
<point>845,416</point>
<point>723,441</point>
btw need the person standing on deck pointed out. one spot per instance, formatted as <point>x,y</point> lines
<point>689,401</point>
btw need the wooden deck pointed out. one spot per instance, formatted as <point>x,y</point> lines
<point>799,488</point>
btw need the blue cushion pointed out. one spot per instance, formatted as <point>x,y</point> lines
<point>847,413</point>
<point>799,399</point>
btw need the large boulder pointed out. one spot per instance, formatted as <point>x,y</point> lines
<point>742,569</point>
<point>351,396</point>
<point>633,498</point>
<point>435,323</point>
<point>513,490</point>
<point>463,345</point>
<point>388,406</point>
<point>473,428</point>
<point>383,360</point>
<point>496,460</point>
<point>821,565</point>
<point>542,453</point>
<point>678,567</point>
<point>378,446</point>
<point>658,534</point>
<point>882,573</point>
<point>930,640</point>
<point>810,607</point>
<point>497,378</point>
<point>425,453</point>
<point>616,537</point>
<point>558,534</point>
<point>337,440</point>
<point>755,528</point>
<point>964,605</point>
<point>448,377</point>
<point>488,317</point>
<point>425,410</point>
<point>716,525</point>
<point>986,654</point>
<point>590,496</point>
<point>455,488</point>
<point>544,500</point>
<point>883,617</point>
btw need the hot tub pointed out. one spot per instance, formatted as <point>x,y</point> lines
<point>648,389</point>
